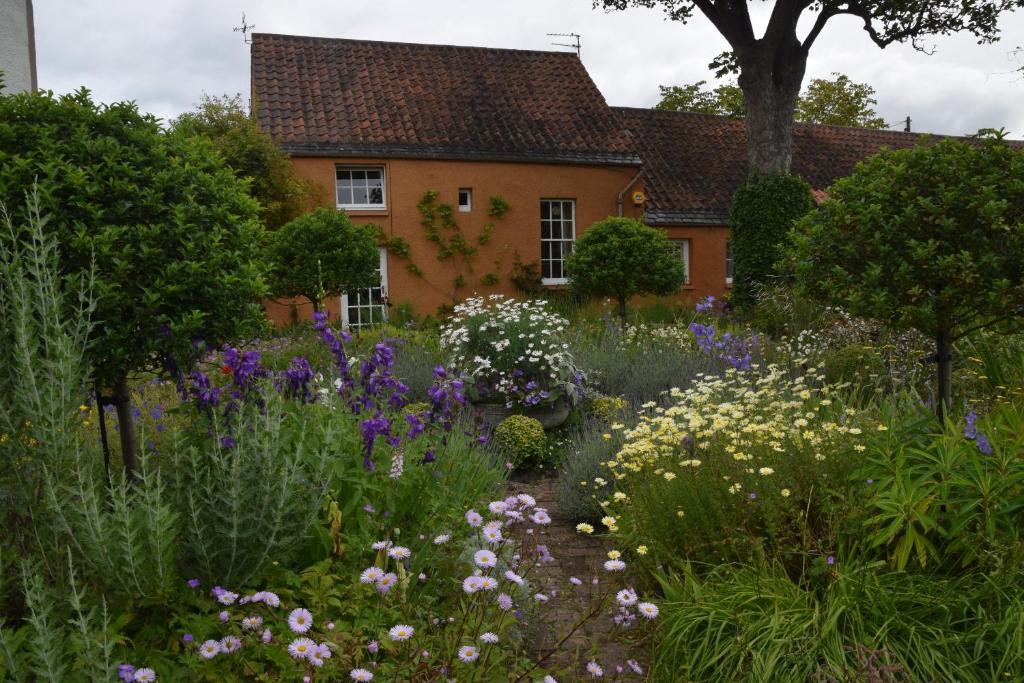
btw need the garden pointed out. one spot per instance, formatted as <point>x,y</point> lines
<point>821,478</point>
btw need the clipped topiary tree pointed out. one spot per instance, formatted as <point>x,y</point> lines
<point>930,238</point>
<point>621,258</point>
<point>763,211</point>
<point>172,234</point>
<point>322,254</point>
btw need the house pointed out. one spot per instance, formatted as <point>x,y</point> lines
<point>693,163</point>
<point>17,47</point>
<point>379,125</point>
<point>523,154</point>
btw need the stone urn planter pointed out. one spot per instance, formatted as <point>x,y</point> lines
<point>550,416</point>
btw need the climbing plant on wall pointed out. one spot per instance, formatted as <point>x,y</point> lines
<point>452,243</point>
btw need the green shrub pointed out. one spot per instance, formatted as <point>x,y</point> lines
<point>322,254</point>
<point>607,409</point>
<point>929,238</point>
<point>944,499</point>
<point>251,153</point>
<point>521,439</point>
<point>622,258</point>
<point>763,211</point>
<point>168,232</point>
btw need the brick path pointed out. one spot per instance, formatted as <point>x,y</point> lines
<point>581,556</point>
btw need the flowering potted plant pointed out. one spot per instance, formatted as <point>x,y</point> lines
<point>514,358</point>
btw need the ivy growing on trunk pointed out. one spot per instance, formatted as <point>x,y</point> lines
<point>763,211</point>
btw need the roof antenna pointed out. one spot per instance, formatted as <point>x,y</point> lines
<point>244,29</point>
<point>575,44</point>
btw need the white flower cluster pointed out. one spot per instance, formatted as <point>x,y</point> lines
<point>511,348</point>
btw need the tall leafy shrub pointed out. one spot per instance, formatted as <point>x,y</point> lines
<point>763,211</point>
<point>172,235</point>
<point>930,238</point>
<point>251,153</point>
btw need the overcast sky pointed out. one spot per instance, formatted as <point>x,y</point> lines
<point>164,55</point>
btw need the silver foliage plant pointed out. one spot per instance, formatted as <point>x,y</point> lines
<point>45,322</point>
<point>123,535</point>
<point>252,500</point>
<point>48,648</point>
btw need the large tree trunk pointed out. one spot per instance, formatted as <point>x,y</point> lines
<point>771,80</point>
<point>622,313</point>
<point>126,428</point>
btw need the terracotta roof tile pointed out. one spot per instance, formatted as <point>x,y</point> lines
<point>693,163</point>
<point>355,97</point>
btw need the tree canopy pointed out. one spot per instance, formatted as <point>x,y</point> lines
<point>621,258</point>
<point>837,101</point>
<point>930,238</point>
<point>322,254</point>
<point>723,100</point>
<point>172,234</point>
<point>251,154</point>
<point>771,67</point>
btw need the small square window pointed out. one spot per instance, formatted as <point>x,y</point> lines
<point>465,199</point>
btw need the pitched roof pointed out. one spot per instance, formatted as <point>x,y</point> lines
<point>693,163</point>
<point>326,96</point>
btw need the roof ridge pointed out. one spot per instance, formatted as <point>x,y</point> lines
<point>805,124</point>
<point>410,44</point>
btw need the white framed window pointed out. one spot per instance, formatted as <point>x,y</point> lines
<point>683,247</point>
<point>360,187</point>
<point>465,199</point>
<point>367,307</point>
<point>728,262</point>
<point>557,234</point>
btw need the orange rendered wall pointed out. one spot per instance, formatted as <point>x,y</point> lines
<point>707,260</point>
<point>594,188</point>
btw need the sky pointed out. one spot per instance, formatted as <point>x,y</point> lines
<point>165,55</point>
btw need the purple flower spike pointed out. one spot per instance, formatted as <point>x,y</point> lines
<point>971,430</point>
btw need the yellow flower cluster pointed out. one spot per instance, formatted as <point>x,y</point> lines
<point>743,417</point>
